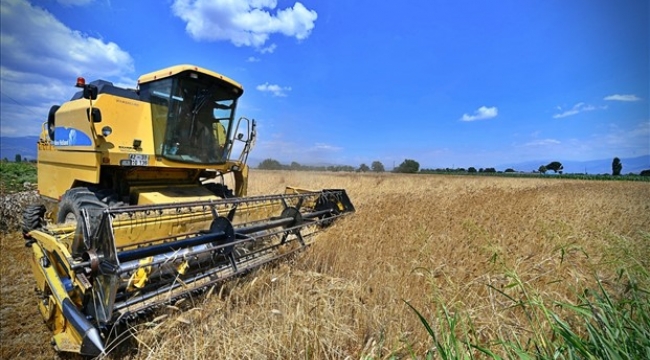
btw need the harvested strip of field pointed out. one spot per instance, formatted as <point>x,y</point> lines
<point>470,244</point>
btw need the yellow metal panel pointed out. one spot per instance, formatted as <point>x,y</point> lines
<point>39,276</point>
<point>176,194</point>
<point>65,337</point>
<point>173,70</point>
<point>297,190</point>
<point>58,170</point>
<point>241,180</point>
<point>130,231</point>
<point>129,120</point>
<point>73,114</point>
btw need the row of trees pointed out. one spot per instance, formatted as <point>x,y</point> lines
<point>376,166</point>
<point>407,166</point>
<point>412,166</point>
<point>470,170</point>
<point>617,167</point>
<point>18,158</point>
<point>272,164</point>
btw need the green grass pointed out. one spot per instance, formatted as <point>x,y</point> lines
<point>601,324</point>
<point>14,175</point>
<point>598,326</point>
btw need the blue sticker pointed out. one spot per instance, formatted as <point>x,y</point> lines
<point>70,137</point>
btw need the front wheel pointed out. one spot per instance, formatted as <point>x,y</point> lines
<point>70,213</point>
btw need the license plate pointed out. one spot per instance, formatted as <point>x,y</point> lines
<point>139,160</point>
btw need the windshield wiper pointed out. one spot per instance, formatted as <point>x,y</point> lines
<point>200,100</point>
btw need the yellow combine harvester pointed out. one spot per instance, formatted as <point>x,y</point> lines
<point>135,211</point>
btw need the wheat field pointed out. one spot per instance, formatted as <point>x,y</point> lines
<point>439,243</point>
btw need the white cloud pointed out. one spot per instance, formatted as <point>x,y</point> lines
<point>482,113</point>
<point>325,147</point>
<point>274,89</point>
<point>636,137</point>
<point>576,109</point>
<point>623,138</point>
<point>243,22</point>
<point>543,142</point>
<point>41,59</point>
<point>74,2</point>
<point>617,97</point>
<point>125,82</point>
<point>32,38</point>
<point>252,59</point>
<point>268,50</point>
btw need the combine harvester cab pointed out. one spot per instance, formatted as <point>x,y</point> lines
<point>134,215</point>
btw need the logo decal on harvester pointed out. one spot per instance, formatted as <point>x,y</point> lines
<point>70,137</point>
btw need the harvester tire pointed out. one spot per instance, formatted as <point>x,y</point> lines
<point>220,190</point>
<point>73,201</point>
<point>33,218</point>
<point>70,207</point>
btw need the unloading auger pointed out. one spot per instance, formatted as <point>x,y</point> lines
<point>94,276</point>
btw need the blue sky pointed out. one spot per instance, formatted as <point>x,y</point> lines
<point>447,83</point>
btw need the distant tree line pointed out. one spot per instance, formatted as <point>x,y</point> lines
<point>376,166</point>
<point>410,166</point>
<point>272,164</point>
<point>470,170</point>
<point>18,158</point>
<point>407,166</point>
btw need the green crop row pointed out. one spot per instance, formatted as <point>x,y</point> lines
<point>15,175</point>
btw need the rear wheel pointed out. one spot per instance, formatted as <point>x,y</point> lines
<point>33,218</point>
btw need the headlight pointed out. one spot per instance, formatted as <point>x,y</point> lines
<point>106,130</point>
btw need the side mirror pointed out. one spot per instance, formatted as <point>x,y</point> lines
<point>96,115</point>
<point>240,136</point>
<point>90,92</point>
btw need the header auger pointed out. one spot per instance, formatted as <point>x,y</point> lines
<point>135,211</point>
